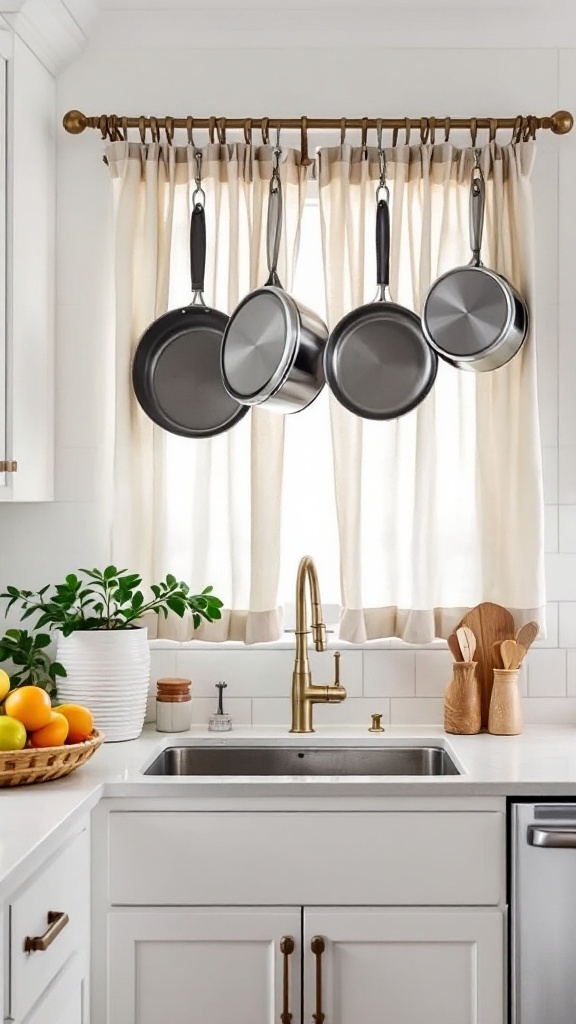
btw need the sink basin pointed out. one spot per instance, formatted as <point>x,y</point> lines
<point>311,761</point>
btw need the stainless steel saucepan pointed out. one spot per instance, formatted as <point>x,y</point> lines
<point>472,316</point>
<point>273,346</point>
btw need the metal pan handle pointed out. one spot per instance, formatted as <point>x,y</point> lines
<point>274,230</point>
<point>198,251</point>
<point>476,214</point>
<point>382,246</point>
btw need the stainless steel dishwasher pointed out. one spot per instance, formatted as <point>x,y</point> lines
<point>543,905</point>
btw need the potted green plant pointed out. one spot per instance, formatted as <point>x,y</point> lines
<point>33,666</point>
<point>101,642</point>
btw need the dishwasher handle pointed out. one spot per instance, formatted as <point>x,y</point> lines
<point>558,838</point>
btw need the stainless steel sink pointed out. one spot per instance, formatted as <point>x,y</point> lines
<point>311,761</point>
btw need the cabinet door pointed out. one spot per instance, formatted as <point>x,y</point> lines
<point>212,966</point>
<point>404,966</point>
<point>63,1002</point>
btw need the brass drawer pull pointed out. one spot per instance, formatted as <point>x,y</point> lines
<point>57,920</point>
<point>286,948</point>
<point>317,946</point>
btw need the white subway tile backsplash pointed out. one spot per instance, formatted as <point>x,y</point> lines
<point>389,673</point>
<point>547,673</point>
<point>567,624</point>
<point>561,577</point>
<point>571,673</point>
<point>551,528</point>
<point>550,475</point>
<point>271,711</point>
<point>240,709</point>
<point>549,711</point>
<point>567,528</point>
<point>551,638</point>
<point>416,711</point>
<point>353,711</point>
<point>433,672</point>
<point>567,475</point>
<point>162,666</point>
<point>263,673</point>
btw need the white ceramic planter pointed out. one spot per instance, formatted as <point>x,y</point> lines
<point>108,671</point>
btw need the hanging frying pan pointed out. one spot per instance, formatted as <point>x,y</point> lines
<point>377,362</point>
<point>273,346</point>
<point>176,367</point>
<point>472,316</point>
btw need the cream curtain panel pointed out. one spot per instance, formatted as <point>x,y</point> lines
<point>443,507</point>
<point>180,506</point>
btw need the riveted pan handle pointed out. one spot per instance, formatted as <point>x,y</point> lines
<point>476,214</point>
<point>382,246</point>
<point>197,250</point>
<point>274,230</point>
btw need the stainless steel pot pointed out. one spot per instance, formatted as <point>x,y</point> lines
<point>273,347</point>
<point>472,316</point>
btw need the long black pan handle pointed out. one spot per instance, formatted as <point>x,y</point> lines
<point>198,247</point>
<point>382,245</point>
<point>476,214</point>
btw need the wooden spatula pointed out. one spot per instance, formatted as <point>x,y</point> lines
<point>512,653</point>
<point>454,646</point>
<point>527,634</point>
<point>488,622</point>
<point>467,642</point>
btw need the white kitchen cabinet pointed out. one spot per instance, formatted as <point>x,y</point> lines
<point>65,1001</point>
<point>27,280</point>
<point>213,965</point>
<point>406,966</point>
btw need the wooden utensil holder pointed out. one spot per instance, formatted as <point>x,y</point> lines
<point>462,700</point>
<point>505,715</point>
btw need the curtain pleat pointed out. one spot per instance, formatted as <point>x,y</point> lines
<point>442,508</point>
<point>184,506</point>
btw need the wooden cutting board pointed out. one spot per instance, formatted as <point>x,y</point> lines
<point>489,622</point>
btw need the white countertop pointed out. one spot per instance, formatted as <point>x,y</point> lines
<point>539,763</point>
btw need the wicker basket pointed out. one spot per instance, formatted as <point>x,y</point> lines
<point>41,764</point>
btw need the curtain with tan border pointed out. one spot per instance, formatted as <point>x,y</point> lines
<point>184,506</point>
<point>442,508</point>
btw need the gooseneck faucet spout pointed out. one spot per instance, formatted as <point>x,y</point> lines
<point>304,693</point>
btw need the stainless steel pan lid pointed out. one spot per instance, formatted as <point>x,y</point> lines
<point>377,362</point>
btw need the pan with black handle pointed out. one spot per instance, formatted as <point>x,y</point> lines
<point>176,367</point>
<point>377,361</point>
<point>472,316</point>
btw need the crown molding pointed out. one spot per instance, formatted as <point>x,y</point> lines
<point>55,30</point>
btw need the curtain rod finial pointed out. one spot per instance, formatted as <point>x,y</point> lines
<point>562,122</point>
<point>75,122</point>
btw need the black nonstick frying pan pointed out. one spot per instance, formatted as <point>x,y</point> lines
<point>176,367</point>
<point>377,361</point>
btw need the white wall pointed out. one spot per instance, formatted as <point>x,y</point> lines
<point>47,540</point>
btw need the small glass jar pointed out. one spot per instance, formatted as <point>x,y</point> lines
<point>173,705</point>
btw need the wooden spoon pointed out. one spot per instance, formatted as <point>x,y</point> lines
<point>527,634</point>
<point>467,642</point>
<point>454,646</point>
<point>497,653</point>
<point>512,654</point>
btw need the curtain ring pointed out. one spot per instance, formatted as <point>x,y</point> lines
<point>407,130</point>
<point>342,131</point>
<point>394,138</point>
<point>379,132</point>
<point>103,125</point>
<point>304,158</point>
<point>154,129</point>
<point>221,129</point>
<point>211,128</point>
<point>190,130</point>
<point>432,126</point>
<point>142,129</point>
<point>125,128</point>
<point>364,135</point>
<point>424,130</point>
<point>113,127</point>
<point>169,129</point>
<point>493,126</point>
<point>248,131</point>
<point>517,129</point>
<point>533,126</point>
<point>265,128</point>
<point>447,127</point>
<point>473,130</point>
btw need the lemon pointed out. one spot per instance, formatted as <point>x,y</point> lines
<point>12,734</point>
<point>4,684</point>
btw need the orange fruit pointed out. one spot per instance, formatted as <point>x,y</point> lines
<point>53,734</point>
<point>30,705</point>
<point>80,722</point>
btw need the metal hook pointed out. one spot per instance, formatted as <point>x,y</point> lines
<point>364,136</point>
<point>342,131</point>
<point>517,129</point>
<point>248,131</point>
<point>304,158</point>
<point>447,127</point>
<point>221,128</point>
<point>473,130</point>
<point>424,130</point>
<point>190,130</point>
<point>199,195</point>
<point>432,126</point>
<point>169,129</point>
<point>493,129</point>
<point>154,129</point>
<point>276,153</point>
<point>407,129</point>
<point>264,126</point>
<point>211,127</point>
<point>142,128</point>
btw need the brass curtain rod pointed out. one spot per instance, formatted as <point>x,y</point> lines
<point>113,125</point>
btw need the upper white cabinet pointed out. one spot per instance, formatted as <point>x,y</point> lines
<point>27,273</point>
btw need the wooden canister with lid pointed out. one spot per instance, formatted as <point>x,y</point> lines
<point>173,705</point>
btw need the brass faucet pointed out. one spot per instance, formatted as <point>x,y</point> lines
<point>304,694</point>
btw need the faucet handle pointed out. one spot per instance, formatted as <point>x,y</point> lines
<point>336,668</point>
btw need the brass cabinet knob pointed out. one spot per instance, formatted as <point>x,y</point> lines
<point>376,726</point>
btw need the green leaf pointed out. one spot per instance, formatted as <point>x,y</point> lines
<point>176,604</point>
<point>42,640</point>
<point>196,620</point>
<point>171,580</point>
<point>137,600</point>
<point>72,581</point>
<point>110,572</point>
<point>207,590</point>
